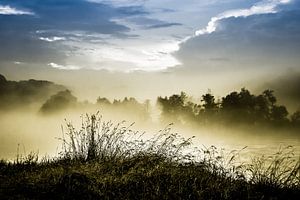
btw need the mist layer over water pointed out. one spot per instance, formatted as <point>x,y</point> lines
<point>27,131</point>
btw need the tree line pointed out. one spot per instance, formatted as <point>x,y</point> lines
<point>241,107</point>
<point>235,108</point>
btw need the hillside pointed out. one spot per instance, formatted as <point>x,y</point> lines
<point>23,94</point>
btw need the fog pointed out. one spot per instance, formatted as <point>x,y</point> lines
<point>32,112</point>
<point>90,84</point>
<point>27,131</point>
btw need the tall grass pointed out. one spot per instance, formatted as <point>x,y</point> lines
<point>281,169</point>
<point>103,141</point>
<point>103,160</point>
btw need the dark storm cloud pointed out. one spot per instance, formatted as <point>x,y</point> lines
<point>257,41</point>
<point>20,40</point>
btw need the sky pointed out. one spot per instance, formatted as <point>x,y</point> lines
<point>173,44</point>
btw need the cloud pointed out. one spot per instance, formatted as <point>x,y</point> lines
<point>142,22</point>
<point>120,3</point>
<point>21,45</point>
<point>35,39</point>
<point>113,34</point>
<point>64,67</point>
<point>7,10</point>
<point>263,7</point>
<point>86,34</point>
<point>247,40</point>
<point>78,15</point>
<point>163,25</point>
<point>128,55</point>
<point>52,39</point>
<point>17,63</point>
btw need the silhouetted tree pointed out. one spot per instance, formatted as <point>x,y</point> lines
<point>58,102</point>
<point>129,106</point>
<point>173,107</point>
<point>239,107</point>
<point>2,79</point>
<point>116,102</point>
<point>279,114</point>
<point>248,108</point>
<point>295,119</point>
<point>209,102</point>
<point>269,95</point>
<point>235,108</point>
<point>261,109</point>
<point>209,110</point>
<point>103,101</point>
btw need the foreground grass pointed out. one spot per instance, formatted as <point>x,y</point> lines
<point>103,161</point>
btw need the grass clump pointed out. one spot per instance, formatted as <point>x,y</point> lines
<point>106,161</point>
<point>280,170</point>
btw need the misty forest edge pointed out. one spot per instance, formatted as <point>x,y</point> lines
<point>236,108</point>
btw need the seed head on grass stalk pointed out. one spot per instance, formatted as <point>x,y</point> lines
<point>100,140</point>
<point>280,170</point>
<point>105,141</point>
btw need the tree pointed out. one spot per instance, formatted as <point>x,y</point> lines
<point>248,108</point>
<point>173,103</point>
<point>2,79</point>
<point>231,101</point>
<point>209,102</point>
<point>173,107</point>
<point>239,107</point>
<point>279,114</point>
<point>269,95</point>
<point>58,102</point>
<point>261,108</point>
<point>208,114</point>
<point>295,118</point>
<point>103,101</point>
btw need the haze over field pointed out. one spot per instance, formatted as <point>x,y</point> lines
<point>85,49</point>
